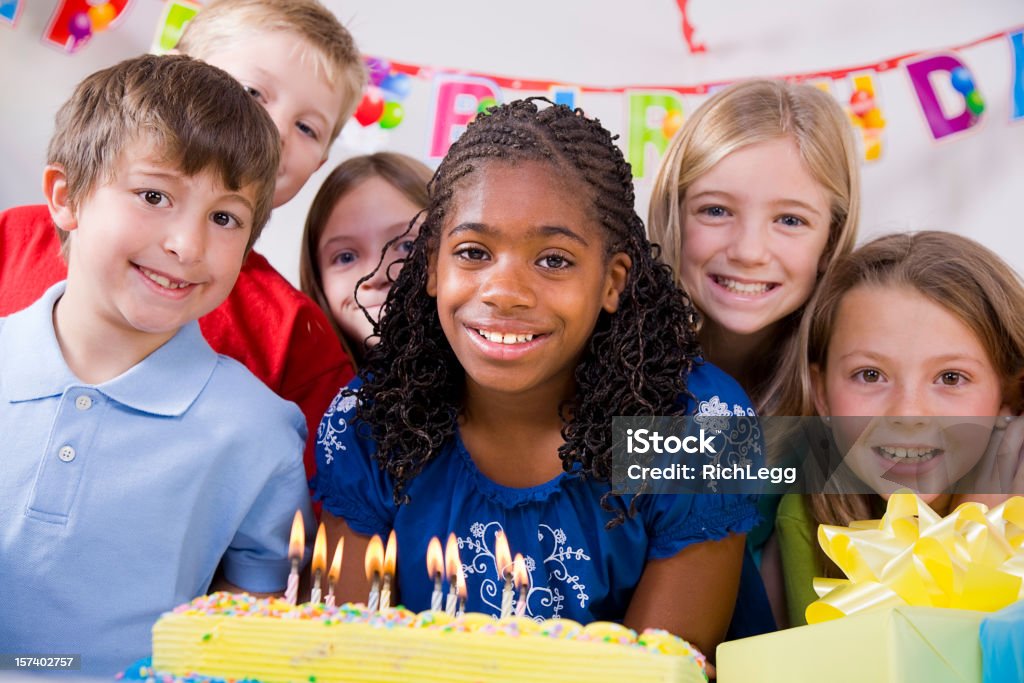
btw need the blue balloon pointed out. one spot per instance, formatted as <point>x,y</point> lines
<point>397,84</point>
<point>962,81</point>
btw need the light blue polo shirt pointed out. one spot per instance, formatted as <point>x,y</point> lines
<point>118,500</point>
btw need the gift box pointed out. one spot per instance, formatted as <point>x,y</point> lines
<point>891,645</point>
<point>1002,645</point>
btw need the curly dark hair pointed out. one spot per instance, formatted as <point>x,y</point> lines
<point>636,361</point>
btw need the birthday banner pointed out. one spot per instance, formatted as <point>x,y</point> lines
<point>949,94</point>
<point>945,87</point>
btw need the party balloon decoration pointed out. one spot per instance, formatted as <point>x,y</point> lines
<point>672,122</point>
<point>370,107</point>
<point>74,22</point>
<point>392,115</point>
<point>382,99</point>
<point>961,80</point>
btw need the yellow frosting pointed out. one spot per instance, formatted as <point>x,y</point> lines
<point>261,640</point>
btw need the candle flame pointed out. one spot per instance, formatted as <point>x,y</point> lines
<point>320,550</point>
<point>460,583</point>
<point>374,557</point>
<point>435,561</point>
<point>391,554</point>
<point>297,544</point>
<point>519,576</point>
<point>335,573</point>
<point>502,555</point>
<point>452,562</point>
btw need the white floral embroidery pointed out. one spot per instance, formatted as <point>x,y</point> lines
<point>548,596</point>
<point>333,425</point>
<point>744,436</point>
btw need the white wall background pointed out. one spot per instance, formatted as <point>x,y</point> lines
<point>970,183</point>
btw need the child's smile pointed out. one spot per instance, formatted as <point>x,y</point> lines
<point>931,395</point>
<point>521,276</point>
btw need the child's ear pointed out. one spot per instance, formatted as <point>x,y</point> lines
<point>432,275</point>
<point>818,391</point>
<point>55,188</point>
<point>615,280</point>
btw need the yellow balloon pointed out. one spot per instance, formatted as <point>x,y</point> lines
<point>672,123</point>
<point>101,16</point>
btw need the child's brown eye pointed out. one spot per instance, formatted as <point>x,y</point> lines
<point>152,197</point>
<point>869,375</point>
<point>951,379</point>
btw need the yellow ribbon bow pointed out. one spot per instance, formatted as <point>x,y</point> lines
<point>971,559</point>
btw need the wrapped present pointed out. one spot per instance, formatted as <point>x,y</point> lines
<point>1002,645</point>
<point>893,645</point>
<point>971,559</point>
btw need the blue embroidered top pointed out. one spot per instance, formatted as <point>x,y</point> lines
<point>577,569</point>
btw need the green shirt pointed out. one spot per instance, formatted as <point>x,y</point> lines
<point>798,541</point>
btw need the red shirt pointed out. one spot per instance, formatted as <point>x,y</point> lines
<point>266,324</point>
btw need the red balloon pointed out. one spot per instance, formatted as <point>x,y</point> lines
<point>861,102</point>
<point>370,107</point>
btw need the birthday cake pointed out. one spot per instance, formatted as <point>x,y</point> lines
<point>233,636</point>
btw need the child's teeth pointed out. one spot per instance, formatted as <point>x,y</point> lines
<point>742,287</point>
<point>163,281</point>
<point>896,453</point>
<point>499,338</point>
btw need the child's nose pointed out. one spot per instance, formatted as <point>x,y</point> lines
<point>749,245</point>
<point>506,288</point>
<point>907,409</point>
<point>186,239</point>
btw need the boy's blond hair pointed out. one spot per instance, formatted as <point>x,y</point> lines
<point>225,22</point>
<point>195,115</point>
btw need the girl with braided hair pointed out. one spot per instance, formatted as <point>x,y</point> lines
<point>531,311</point>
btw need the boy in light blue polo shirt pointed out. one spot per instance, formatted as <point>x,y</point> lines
<point>133,459</point>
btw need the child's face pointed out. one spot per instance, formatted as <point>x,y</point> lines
<point>919,384</point>
<point>754,230</point>
<point>300,100</point>
<point>521,276</point>
<point>152,248</point>
<point>359,227</point>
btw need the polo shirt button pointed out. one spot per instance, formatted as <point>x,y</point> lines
<point>83,403</point>
<point>66,453</point>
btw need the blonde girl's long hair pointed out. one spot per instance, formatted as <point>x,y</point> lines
<point>745,114</point>
<point>957,273</point>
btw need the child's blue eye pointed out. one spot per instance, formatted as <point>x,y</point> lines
<point>225,219</point>
<point>344,258</point>
<point>792,221</point>
<point>253,91</point>
<point>307,130</point>
<point>154,198</point>
<point>406,247</point>
<point>714,211</point>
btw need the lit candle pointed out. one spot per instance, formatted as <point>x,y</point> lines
<point>390,558</point>
<point>522,581</point>
<point>319,563</point>
<point>452,565</point>
<point>460,581</point>
<point>374,559</point>
<point>503,563</point>
<point>334,573</point>
<point>435,563</point>
<point>296,549</point>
